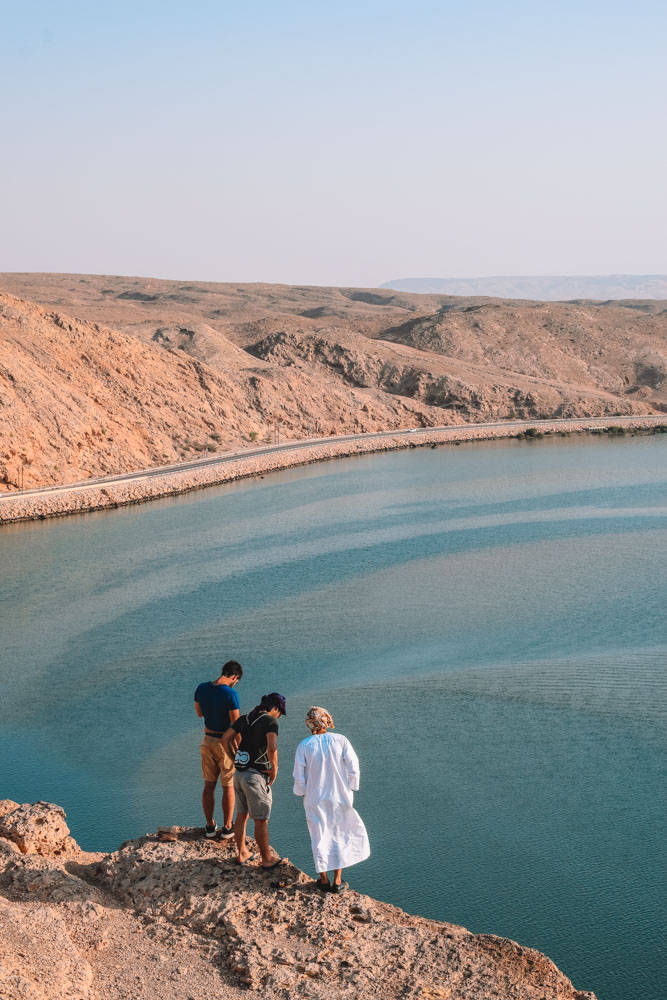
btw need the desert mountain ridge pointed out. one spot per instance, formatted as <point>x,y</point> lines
<point>105,374</point>
<point>542,287</point>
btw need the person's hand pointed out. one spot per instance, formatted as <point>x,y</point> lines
<point>271,777</point>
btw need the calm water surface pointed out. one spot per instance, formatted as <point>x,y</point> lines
<point>486,623</point>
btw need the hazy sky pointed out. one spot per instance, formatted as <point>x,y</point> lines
<point>333,142</point>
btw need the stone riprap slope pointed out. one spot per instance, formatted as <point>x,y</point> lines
<point>172,917</point>
<point>102,494</point>
<point>314,361</point>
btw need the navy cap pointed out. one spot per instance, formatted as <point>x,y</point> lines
<point>275,700</point>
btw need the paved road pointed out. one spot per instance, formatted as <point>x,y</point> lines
<point>449,430</point>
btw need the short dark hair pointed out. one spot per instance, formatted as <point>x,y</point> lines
<point>232,669</point>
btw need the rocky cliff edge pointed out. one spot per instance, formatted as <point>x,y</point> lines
<point>171,916</point>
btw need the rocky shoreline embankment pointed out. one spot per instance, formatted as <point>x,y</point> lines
<point>118,492</point>
<point>171,916</point>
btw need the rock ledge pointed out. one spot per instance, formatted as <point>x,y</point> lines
<point>171,916</point>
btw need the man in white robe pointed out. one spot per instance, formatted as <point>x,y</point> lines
<point>326,774</point>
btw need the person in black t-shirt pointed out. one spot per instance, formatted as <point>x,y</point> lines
<point>256,764</point>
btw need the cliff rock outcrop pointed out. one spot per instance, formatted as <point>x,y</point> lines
<point>171,916</point>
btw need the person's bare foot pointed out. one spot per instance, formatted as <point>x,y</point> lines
<point>246,856</point>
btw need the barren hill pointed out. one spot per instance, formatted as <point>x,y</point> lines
<point>153,371</point>
<point>78,400</point>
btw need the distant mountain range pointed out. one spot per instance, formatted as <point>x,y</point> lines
<point>542,287</point>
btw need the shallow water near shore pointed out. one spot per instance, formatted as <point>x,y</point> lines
<point>485,622</point>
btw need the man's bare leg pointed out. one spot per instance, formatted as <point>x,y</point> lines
<point>324,878</point>
<point>208,801</point>
<point>227,804</point>
<point>269,856</point>
<point>338,874</point>
<point>239,836</point>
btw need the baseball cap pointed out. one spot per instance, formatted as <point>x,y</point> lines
<point>275,700</point>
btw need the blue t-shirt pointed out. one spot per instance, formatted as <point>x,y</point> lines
<point>216,701</point>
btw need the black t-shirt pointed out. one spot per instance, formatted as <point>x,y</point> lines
<point>253,751</point>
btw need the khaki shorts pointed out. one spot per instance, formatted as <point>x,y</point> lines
<point>214,761</point>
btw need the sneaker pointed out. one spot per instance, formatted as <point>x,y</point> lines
<point>226,832</point>
<point>211,831</point>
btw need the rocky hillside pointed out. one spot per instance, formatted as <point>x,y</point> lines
<point>157,371</point>
<point>172,917</point>
<point>574,344</point>
<point>462,390</point>
<point>78,400</point>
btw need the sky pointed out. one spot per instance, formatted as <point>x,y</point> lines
<point>333,143</point>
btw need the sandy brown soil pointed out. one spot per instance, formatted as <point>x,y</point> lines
<point>157,371</point>
<point>177,919</point>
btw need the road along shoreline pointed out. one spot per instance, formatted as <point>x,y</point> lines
<point>151,484</point>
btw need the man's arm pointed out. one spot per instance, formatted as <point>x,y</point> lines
<point>299,772</point>
<point>198,710</point>
<point>230,741</point>
<point>351,764</point>
<point>272,751</point>
<point>234,744</point>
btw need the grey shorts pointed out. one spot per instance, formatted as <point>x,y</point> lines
<point>253,795</point>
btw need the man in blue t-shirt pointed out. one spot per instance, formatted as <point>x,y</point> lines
<point>217,703</point>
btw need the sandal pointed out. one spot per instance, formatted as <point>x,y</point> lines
<point>251,857</point>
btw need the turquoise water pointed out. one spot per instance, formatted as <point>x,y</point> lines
<point>486,623</point>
